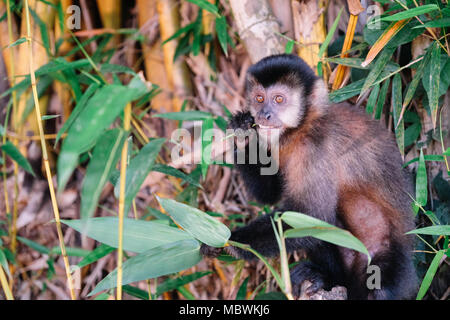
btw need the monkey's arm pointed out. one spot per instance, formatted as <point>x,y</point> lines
<point>266,189</point>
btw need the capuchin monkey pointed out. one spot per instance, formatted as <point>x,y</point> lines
<point>335,164</point>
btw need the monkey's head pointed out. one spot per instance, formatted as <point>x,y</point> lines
<point>280,90</point>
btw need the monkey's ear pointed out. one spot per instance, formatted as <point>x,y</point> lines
<point>319,95</point>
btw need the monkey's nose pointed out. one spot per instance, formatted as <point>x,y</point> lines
<point>267,115</point>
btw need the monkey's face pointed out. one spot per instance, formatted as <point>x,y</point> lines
<point>277,107</point>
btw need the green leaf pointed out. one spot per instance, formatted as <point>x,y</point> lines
<point>185,115</point>
<point>96,254</point>
<point>197,223</point>
<point>428,157</point>
<point>371,102</point>
<point>382,99</point>
<point>434,80</point>
<point>101,110</point>
<point>172,284</point>
<point>158,261</point>
<point>138,170</point>
<point>439,23</point>
<point>49,117</point>
<point>346,92</point>
<point>443,230</point>
<point>204,4</point>
<point>207,139</point>
<point>242,292</point>
<point>104,159</point>
<point>171,171</point>
<point>411,13</point>
<point>71,252</point>
<point>396,111</point>
<point>416,79</point>
<point>377,69</point>
<point>430,274</point>
<point>138,235</point>
<point>421,183</point>
<point>222,34</point>
<point>4,262</point>
<point>77,110</point>
<point>17,42</point>
<point>34,245</point>
<point>14,153</point>
<point>330,34</point>
<point>289,47</point>
<point>305,226</point>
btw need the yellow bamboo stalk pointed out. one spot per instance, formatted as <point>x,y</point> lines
<point>355,9</point>
<point>110,14</point>
<point>312,36</point>
<point>177,72</point>
<point>123,172</point>
<point>153,56</point>
<point>63,90</point>
<point>45,155</point>
<point>5,286</point>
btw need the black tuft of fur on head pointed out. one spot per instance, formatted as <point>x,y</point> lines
<point>288,69</point>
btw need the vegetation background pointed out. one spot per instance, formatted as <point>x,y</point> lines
<point>89,88</point>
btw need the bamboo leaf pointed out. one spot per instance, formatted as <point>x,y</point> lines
<point>421,183</point>
<point>185,115</point>
<point>380,44</point>
<point>330,34</point>
<point>77,110</point>
<point>433,81</point>
<point>222,34</point>
<point>207,126</point>
<point>396,111</point>
<point>371,102</point>
<point>101,110</point>
<point>430,274</point>
<point>197,223</point>
<point>377,69</point>
<point>416,79</point>
<point>411,12</point>
<point>443,230</point>
<point>4,262</point>
<point>307,226</point>
<point>98,253</point>
<point>158,261</point>
<point>138,235</point>
<point>14,153</point>
<point>138,170</point>
<point>176,173</point>
<point>204,4</point>
<point>104,159</point>
<point>382,99</point>
<point>438,23</point>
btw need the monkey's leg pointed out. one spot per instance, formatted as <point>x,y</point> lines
<point>323,269</point>
<point>398,279</point>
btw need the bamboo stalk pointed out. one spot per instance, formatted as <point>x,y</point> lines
<point>45,155</point>
<point>177,72</point>
<point>5,286</point>
<point>355,9</point>
<point>309,35</point>
<point>123,172</point>
<point>110,14</point>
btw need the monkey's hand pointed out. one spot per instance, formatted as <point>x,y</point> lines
<point>210,252</point>
<point>242,120</point>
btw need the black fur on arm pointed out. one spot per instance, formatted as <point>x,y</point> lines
<point>266,189</point>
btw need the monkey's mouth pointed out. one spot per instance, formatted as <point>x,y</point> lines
<point>268,127</point>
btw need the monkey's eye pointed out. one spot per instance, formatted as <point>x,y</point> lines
<point>259,99</point>
<point>279,99</point>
